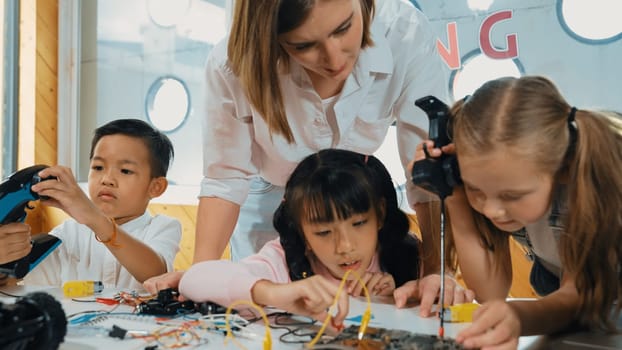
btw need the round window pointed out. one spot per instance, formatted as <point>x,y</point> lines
<point>167,13</point>
<point>592,22</point>
<point>167,103</point>
<point>478,69</point>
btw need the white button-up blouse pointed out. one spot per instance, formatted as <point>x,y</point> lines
<point>402,66</point>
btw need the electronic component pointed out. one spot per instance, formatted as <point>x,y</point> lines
<point>387,339</point>
<point>15,194</point>
<point>209,308</point>
<point>167,303</point>
<point>438,175</point>
<point>441,174</point>
<point>460,312</point>
<point>121,333</point>
<point>76,289</point>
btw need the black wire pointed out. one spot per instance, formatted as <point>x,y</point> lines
<point>284,320</point>
<point>258,318</point>
<point>295,328</point>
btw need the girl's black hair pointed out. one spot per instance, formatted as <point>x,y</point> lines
<point>343,183</point>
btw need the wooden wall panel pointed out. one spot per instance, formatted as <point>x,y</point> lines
<point>187,215</point>
<point>46,116</point>
<point>27,83</point>
<point>38,82</point>
<point>38,77</point>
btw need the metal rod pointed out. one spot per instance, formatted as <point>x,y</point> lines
<point>442,291</point>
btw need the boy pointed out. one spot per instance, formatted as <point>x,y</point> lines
<point>111,237</point>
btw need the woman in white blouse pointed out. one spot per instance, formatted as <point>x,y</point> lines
<point>294,77</point>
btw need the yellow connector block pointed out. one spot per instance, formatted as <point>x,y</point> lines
<point>460,312</point>
<point>76,289</point>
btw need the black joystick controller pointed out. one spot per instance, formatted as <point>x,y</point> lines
<point>15,196</point>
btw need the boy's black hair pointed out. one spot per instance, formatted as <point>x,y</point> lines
<point>343,183</point>
<point>159,145</point>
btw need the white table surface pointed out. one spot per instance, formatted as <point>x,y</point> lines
<point>385,315</point>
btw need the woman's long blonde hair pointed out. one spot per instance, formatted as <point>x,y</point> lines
<point>529,115</point>
<point>256,57</point>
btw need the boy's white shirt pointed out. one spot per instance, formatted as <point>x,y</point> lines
<point>81,257</point>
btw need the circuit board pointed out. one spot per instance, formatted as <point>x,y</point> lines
<point>387,339</point>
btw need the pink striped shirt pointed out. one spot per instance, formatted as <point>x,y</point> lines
<point>224,281</point>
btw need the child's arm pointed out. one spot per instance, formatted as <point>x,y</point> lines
<point>167,280</point>
<point>500,323</point>
<point>551,313</point>
<point>264,279</point>
<point>138,258</point>
<point>310,297</point>
<point>65,193</point>
<point>489,279</point>
<point>224,281</point>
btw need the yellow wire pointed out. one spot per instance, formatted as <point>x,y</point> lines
<point>327,319</point>
<point>267,341</point>
<point>364,319</point>
<point>367,314</point>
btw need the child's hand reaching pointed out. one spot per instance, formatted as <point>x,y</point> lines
<point>310,297</point>
<point>164,281</point>
<point>495,324</point>
<point>377,283</point>
<point>65,193</point>
<point>426,290</point>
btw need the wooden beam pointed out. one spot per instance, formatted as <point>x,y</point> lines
<point>38,81</point>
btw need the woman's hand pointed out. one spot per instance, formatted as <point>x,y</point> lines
<point>310,297</point>
<point>426,290</point>
<point>164,281</point>
<point>14,242</point>
<point>377,283</point>
<point>495,325</point>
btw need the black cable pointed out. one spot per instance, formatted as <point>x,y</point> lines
<point>284,320</point>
